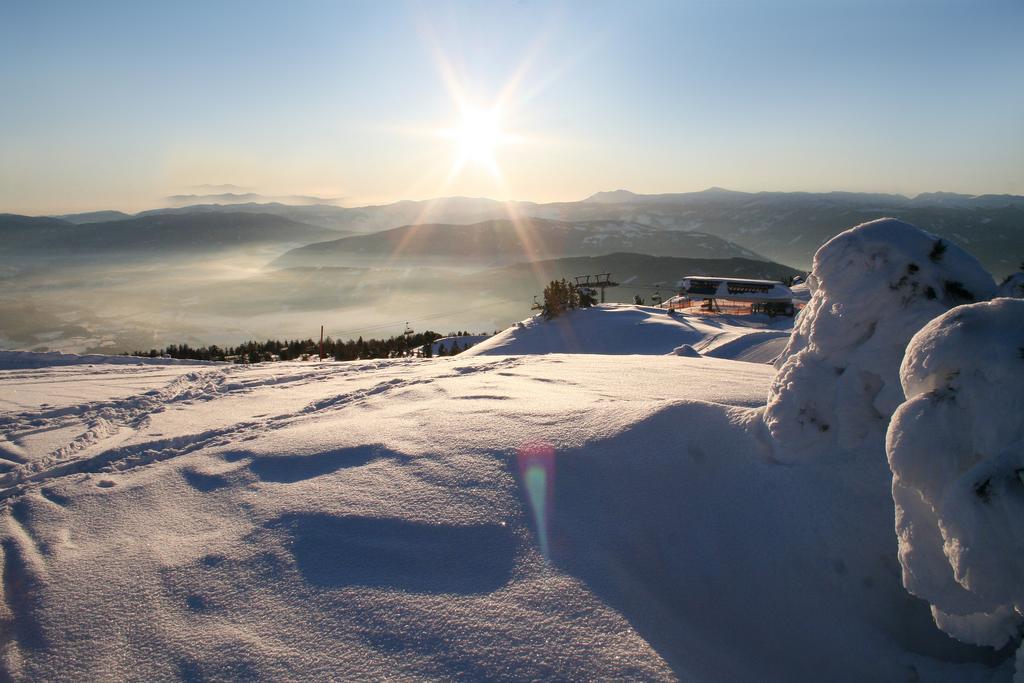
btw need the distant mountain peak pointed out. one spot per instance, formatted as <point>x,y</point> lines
<point>626,196</point>
<point>228,198</point>
<point>94,217</point>
<point>611,197</point>
<point>941,195</point>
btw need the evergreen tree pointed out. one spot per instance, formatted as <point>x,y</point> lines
<point>560,296</point>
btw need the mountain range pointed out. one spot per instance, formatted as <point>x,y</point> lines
<point>158,234</point>
<point>787,227</point>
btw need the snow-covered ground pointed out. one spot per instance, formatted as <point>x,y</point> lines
<point>10,360</point>
<point>595,497</point>
<point>364,520</point>
<point>615,329</point>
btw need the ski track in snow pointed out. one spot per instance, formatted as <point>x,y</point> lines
<point>103,421</point>
<point>107,422</point>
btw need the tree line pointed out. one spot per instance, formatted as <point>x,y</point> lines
<point>418,344</point>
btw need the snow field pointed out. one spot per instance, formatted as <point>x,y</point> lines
<point>368,526</point>
<point>363,520</point>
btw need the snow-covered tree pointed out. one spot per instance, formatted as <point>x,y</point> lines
<point>956,449</point>
<point>1013,285</point>
<point>873,287</point>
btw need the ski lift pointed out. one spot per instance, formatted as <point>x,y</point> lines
<point>656,299</point>
<point>536,304</point>
<point>408,330</point>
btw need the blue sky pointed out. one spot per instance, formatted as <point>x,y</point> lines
<point>116,105</point>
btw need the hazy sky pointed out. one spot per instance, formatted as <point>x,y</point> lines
<point>116,105</point>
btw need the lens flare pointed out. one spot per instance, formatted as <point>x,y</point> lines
<point>537,474</point>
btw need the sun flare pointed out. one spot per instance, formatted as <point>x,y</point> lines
<point>478,136</point>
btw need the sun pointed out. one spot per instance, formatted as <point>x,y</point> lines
<point>478,135</point>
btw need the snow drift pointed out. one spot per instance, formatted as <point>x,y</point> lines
<point>618,329</point>
<point>956,449</point>
<point>873,287</point>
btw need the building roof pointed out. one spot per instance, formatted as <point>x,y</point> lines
<point>734,289</point>
<point>714,278</point>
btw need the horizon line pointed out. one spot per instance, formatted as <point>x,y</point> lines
<point>275,200</point>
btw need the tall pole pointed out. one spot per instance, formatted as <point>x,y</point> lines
<point>321,342</point>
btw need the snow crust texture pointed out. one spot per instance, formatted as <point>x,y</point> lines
<point>873,287</point>
<point>956,449</point>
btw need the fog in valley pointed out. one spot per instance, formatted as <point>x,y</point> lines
<point>234,297</point>
<point>228,273</point>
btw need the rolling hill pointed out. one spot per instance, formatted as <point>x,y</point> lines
<point>501,242</point>
<point>95,217</point>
